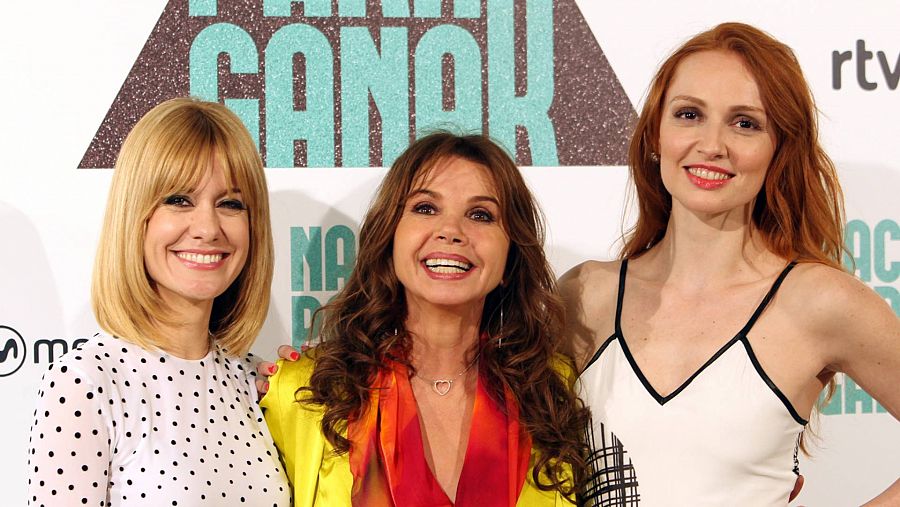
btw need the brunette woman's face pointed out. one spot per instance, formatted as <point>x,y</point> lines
<point>449,247</point>
<point>715,141</point>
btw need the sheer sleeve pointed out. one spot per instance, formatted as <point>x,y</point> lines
<point>71,440</point>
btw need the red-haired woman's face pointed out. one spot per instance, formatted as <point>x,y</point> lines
<point>715,141</point>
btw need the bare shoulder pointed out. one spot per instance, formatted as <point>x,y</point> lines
<point>589,288</point>
<point>591,275</point>
<point>589,293</point>
<point>847,319</point>
<point>830,297</point>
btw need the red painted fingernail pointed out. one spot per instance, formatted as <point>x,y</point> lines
<point>272,368</point>
<point>294,355</point>
<point>265,387</point>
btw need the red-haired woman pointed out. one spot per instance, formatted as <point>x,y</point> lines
<point>704,349</point>
<point>436,381</point>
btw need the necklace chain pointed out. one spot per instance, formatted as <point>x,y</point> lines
<point>442,386</point>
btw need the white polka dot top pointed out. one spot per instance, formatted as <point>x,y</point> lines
<point>117,425</point>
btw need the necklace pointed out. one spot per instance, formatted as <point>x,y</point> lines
<point>442,385</point>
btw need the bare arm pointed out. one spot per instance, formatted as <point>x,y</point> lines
<point>862,340</point>
<point>588,291</point>
<point>890,496</point>
<point>861,337</point>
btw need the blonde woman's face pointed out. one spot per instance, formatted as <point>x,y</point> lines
<point>197,241</point>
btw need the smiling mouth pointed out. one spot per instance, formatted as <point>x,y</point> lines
<point>200,258</point>
<point>707,174</point>
<point>447,266</point>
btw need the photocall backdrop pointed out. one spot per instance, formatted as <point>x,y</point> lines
<point>332,91</point>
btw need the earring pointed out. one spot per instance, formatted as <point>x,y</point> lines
<point>500,341</point>
<point>654,157</point>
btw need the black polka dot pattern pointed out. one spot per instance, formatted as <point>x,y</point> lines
<point>117,425</point>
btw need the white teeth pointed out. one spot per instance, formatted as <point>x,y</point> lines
<point>447,266</point>
<point>706,174</point>
<point>199,258</point>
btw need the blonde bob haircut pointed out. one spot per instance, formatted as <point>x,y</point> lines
<point>169,151</point>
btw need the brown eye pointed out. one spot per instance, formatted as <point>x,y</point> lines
<point>747,123</point>
<point>424,208</point>
<point>233,204</point>
<point>687,114</point>
<point>177,200</point>
<point>481,215</point>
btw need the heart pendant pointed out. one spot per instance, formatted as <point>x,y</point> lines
<point>442,387</point>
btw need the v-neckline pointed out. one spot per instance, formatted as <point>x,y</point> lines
<point>426,448</point>
<point>741,335</point>
<point>662,400</point>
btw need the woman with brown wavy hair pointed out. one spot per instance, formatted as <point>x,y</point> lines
<point>436,380</point>
<point>729,290</point>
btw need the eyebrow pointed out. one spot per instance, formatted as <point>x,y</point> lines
<point>701,102</point>
<point>436,195</point>
<point>233,191</point>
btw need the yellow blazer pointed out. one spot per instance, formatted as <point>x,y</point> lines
<point>317,475</point>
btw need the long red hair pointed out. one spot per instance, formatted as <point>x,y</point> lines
<point>799,211</point>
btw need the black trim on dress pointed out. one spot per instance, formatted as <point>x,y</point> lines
<point>597,354</point>
<point>741,336</point>
<point>662,400</point>
<point>765,378</point>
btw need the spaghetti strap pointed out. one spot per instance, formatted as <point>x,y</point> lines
<point>621,296</point>
<point>769,295</point>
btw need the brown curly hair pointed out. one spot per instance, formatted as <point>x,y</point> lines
<point>358,327</point>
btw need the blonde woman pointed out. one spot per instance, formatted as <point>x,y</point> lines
<point>162,411</point>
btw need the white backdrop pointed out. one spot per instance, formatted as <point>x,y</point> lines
<point>64,63</point>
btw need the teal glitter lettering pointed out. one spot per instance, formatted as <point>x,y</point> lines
<point>858,241</point>
<point>884,230</point>
<point>461,46</point>
<point>306,248</point>
<point>198,8</point>
<point>461,8</point>
<point>835,405</point>
<point>340,255</point>
<point>506,110</point>
<point>302,310</point>
<point>386,77</point>
<point>284,125</point>
<point>282,8</point>
<point>854,395</point>
<point>389,8</point>
<point>204,69</point>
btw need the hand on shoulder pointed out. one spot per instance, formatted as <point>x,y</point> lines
<point>266,369</point>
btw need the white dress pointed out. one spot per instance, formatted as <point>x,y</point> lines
<point>727,436</point>
<point>116,425</point>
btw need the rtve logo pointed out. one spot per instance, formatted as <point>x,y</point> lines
<point>14,350</point>
<point>863,71</point>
